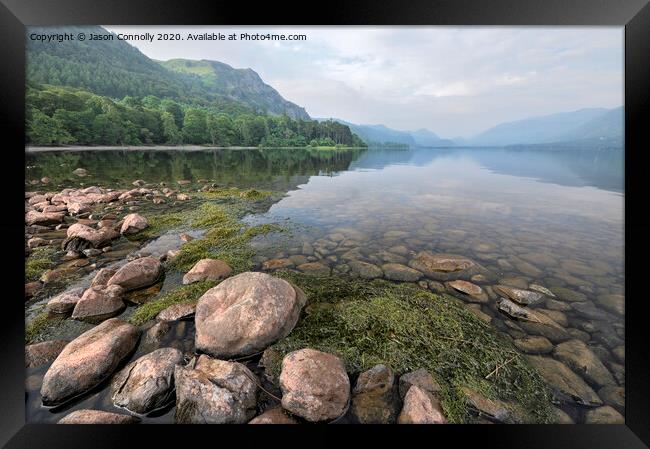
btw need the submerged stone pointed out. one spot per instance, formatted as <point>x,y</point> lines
<point>374,398</point>
<point>565,384</point>
<point>399,272</point>
<point>97,417</point>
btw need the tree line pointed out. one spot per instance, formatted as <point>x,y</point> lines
<point>64,116</point>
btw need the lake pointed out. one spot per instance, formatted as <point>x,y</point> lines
<point>547,218</point>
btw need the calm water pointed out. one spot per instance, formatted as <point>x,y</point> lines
<point>546,217</point>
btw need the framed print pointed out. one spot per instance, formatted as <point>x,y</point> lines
<point>380,215</point>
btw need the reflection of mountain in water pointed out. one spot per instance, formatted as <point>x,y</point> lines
<point>378,158</point>
<point>601,168</point>
<point>285,169</point>
<point>277,169</point>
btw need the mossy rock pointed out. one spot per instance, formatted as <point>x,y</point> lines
<point>407,328</point>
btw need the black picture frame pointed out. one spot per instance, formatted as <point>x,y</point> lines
<point>634,15</point>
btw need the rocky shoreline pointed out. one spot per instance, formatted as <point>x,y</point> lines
<point>96,257</point>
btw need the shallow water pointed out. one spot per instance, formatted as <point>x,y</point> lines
<point>553,218</point>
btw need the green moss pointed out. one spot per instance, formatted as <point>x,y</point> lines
<point>226,239</point>
<point>40,260</point>
<point>35,327</point>
<point>158,224</point>
<point>401,325</point>
<point>210,214</point>
<point>235,193</point>
<point>185,294</point>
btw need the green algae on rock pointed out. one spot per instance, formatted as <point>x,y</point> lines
<point>182,295</point>
<point>38,262</point>
<point>401,325</point>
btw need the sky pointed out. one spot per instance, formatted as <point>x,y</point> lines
<point>454,81</point>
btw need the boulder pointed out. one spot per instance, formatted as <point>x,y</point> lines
<point>399,272</point>
<point>314,269</point>
<point>103,276</point>
<point>99,303</point>
<point>374,398</point>
<point>365,270</point>
<point>472,290</point>
<point>214,392</point>
<point>541,289</point>
<point>421,378</point>
<point>443,267</point>
<point>97,417</point>
<point>147,384</point>
<point>177,312</point>
<point>78,208</point>
<point>66,301</point>
<point>80,237</point>
<point>246,313</point>
<point>604,415</point>
<point>421,407</point>
<point>276,264</point>
<point>590,311</point>
<point>87,360</point>
<point>36,242</point>
<point>582,360</point>
<point>566,384</point>
<point>133,223</point>
<point>154,336</point>
<point>32,289</point>
<point>80,172</point>
<point>566,294</point>
<point>492,409</point>
<point>520,296</point>
<point>534,345</point>
<point>137,274</point>
<point>612,303</point>
<point>273,416</point>
<point>207,270</point>
<point>43,218</point>
<point>43,353</point>
<point>614,396</point>
<point>535,322</point>
<point>314,385</point>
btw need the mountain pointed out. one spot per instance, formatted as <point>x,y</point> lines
<point>115,69</point>
<point>382,135</point>
<point>377,134</point>
<point>243,85</point>
<point>561,127</point>
<point>426,138</point>
<point>609,125</point>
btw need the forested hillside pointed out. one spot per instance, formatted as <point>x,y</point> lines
<point>61,115</point>
<point>109,93</point>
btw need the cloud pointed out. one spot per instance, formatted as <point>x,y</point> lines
<point>456,81</point>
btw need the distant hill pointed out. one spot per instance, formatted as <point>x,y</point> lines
<point>561,127</point>
<point>609,125</point>
<point>380,134</point>
<point>244,85</point>
<point>426,138</point>
<point>115,69</point>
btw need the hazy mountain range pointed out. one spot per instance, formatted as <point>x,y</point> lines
<point>594,123</point>
<point>567,128</point>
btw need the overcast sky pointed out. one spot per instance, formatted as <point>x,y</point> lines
<point>455,81</point>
